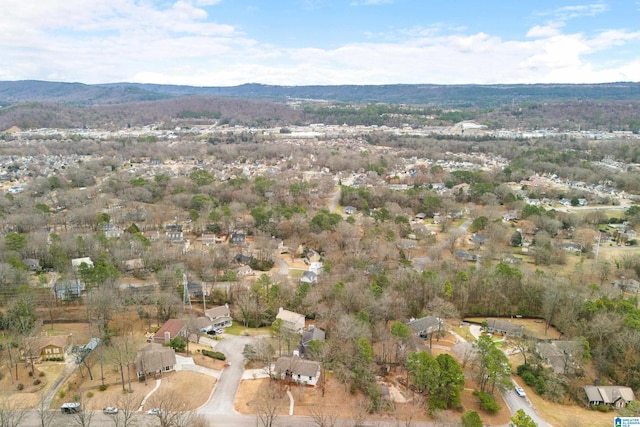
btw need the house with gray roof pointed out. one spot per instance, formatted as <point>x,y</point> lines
<point>291,320</point>
<point>154,359</point>
<point>311,334</point>
<point>297,369</point>
<point>504,327</point>
<point>614,396</point>
<point>425,326</point>
<point>220,316</point>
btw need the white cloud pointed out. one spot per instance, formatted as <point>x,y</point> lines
<point>549,30</point>
<point>178,43</point>
<point>576,11</point>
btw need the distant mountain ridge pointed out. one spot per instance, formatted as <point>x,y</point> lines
<point>447,95</point>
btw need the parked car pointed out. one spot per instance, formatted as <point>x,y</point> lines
<point>110,410</point>
<point>219,330</point>
<point>70,408</point>
<point>520,392</point>
<point>154,411</point>
<point>211,332</point>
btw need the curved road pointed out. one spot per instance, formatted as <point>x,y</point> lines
<point>221,400</point>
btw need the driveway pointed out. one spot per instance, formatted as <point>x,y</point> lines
<point>221,400</point>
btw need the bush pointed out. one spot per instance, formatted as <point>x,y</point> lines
<point>90,395</point>
<point>30,373</point>
<point>487,402</point>
<point>214,354</point>
<point>601,408</point>
<point>103,387</point>
<point>41,374</point>
<point>471,419</point>
<point>20,386</point>
<point>37,382</point>
<point>62,394</point>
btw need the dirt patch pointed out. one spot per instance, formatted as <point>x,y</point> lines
<point>191,388</point>
<point>337,400</point>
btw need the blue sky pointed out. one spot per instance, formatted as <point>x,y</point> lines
<point>302,42</point>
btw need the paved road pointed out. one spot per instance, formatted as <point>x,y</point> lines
<point>516,402</point>
<point>221,400</point>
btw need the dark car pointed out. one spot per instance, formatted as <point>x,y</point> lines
<point>211,332</point>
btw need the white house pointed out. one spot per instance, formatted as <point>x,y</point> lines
<point>299,370</point>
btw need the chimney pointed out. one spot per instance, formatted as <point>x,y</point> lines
<point>167,337</point>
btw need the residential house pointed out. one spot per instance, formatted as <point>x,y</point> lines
<point>614,396</point>
<point>311,256</point>
<point>208,239</point>
<point>626,285</point>
<point>77,262</point>
<point>349,210</point>
<point>32,264</point>
<point>297,369</point>
<point>83,351</point>
<point>174,233</point>
<point>311,334</point>
<point>238,238</point>
<point>45,348</point>
<point>571,247</point>
<point>420,216</point>
<point>135,264</point>
<point>220,316</point>
<point>154,359</point>
<point>291,320</point>
<point>244,270</point>
<point>465,255</point>
<point>309,277</point>
<point>171,329</point>
<point>561,356</point>
<point>242,258</point>
<point>479,239</point>
<point>504,327</point>
<point>68,289</point>
<point>425,326</point>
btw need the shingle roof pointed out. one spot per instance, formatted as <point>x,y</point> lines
<point>220,311</point>
<point>426,324</point>
<point>173,326</point>
<point>153,357</point>
<point>297,366</point>
<point>608,394</point>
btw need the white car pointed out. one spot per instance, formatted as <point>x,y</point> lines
<point>219,330</point>
<point>154,411</point>
<point>110,410</point>
<point>520,392</point>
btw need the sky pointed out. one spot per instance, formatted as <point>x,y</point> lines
<point>320,42</point>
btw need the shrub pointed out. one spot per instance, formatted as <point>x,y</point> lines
<point>103,387</point>
<point>601,408</point>
<point>41,374</point>
<point>30,373</point>
<point>471,419</point>
<point>62,394</point>
<point>487,402</point>
<point>214,354</point>
<point>37,382</point>
<point>20,386</point>
<point>90,394</point>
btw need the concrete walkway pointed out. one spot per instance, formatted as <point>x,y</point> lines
<point>158,382</point>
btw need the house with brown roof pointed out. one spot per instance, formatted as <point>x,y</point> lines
<point>296,369</point>
<point>614,396</point>
<point>171,329</point>
<point>45,348</point>
<point>154,359</point>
